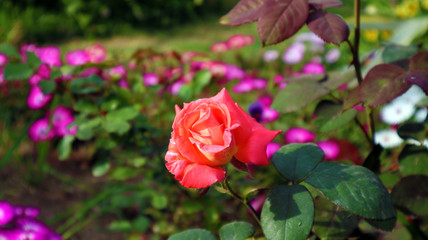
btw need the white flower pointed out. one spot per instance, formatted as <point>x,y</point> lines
<point>397,112</point>
<point>421,115</point>
<point>270,55</point>
<point>413,96</point>
<point>387,138</point>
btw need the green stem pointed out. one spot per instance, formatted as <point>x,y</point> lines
<point>226,186</point>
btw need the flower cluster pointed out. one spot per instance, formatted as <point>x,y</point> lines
<point>234,42</point>
<point>19,222</point>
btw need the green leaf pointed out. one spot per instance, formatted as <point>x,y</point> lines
<point>110,104</point>
<point>329,116</point>
<point>409,29</point>
<point>33,60</point>
<point>120,226</point>
<point>185,92</point>
<point>122,173</point>
<point>331,221</point>
<point>141,224</point>
<point>86,85</point>
<point>413,160</point>
<point>386,225</point>
<point>236,231</point>
<point>64,147</point>
<point>122,114</point>
<point>84,133</point>
<point>47,86</point>
<point>410,195</point>
<point>354,188</point>
<point>85,106</point>
<point>192,206</point>
<point>159,201</point>
<point>201,79</point>
<point>193,234</point>
<point>17,71</point>
<point>288,213</point>
<point>295,161</point>
<point>100,167</point>
<point>394,52</point>
<point>412,130</point>
<point>9,50</point>
<point>299,94</point>
<point>119,127</point>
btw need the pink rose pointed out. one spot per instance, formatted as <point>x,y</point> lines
<point>207,133</point>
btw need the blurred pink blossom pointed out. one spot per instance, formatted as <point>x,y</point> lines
<point>123,83</point>
<point>41,130</point>
<point>116,72</point>
<point>299,135</point>
<point>150,79</point>
<point>332,55</point>
<point>330,148</point>
<point>36,99</point>
<point>6,213</point>
<point>51,55</point>
<point>270,55</point>
<point>219,47</point>
<point>96,53</point>
<point>272,148</point>
<point>61,119</point>
<point>313,68</point>
<point>238,41</point>
<point>3,60</point>
<point>294,54</point>
<point>76,57</point>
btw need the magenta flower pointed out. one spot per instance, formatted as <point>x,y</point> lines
<point>299,135</point>
<point>150,79</point>
<point>272,148</point>
<point>3,60</point>
<point>217,69</point>
<point>238,41</point>
<point>234,72</point>
<point>313,68</point>
<point>96,53</point>
<point>91,71</point>
<point>258,202</point>
<point>261,111</point>
<point>76,57</point>
<point>6,213</point>
<point>244,86</point>
<point>61,119</point>
<point>26,48</point>
<point>259,83</point>
<point>123,84</point>
<point>294,54</point>
<point>50,55</point>
<point>219,47</point>
<point>36,99</point>
<point>26,211</point>
<point>44,71</point>
<point>1,76</point>
<point>117,72</point>
<point>175,87</point>
<point>330,148</point>
<point>41,130</point>
<point>32,227</point>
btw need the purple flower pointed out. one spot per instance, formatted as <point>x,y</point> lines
<point>6,213</point>
<point>41,130</point>
<point>61,119</point>
<point>234,72</point>
<point>261,111</point>
<point>1,76</point>
<point>330,148</point>
<point>299,135</point>
<point>44,71</point>
<point>36,99</point>
<point>31,225</point>
<point>244,86</point>
<point>272,148</point>
<point>96,53</point>
<point>3,60</point>
<point>259,83</point>
<point>175,87</point>
<point>332,55</point>
<point>294,54</point>
<point>313,68</point>
<point>26,211</point>
<point>270,55</point>
<point>50,55</point>
<point>123,83</point>
<point>150,79</point>
<point>76,57</point>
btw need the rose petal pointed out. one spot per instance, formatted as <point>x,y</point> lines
<point>201,176</point>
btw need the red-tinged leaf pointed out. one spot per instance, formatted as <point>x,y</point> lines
<point>329,27</point>
<point>281,19</point>
<point>419,78</point>
<point>419,61</point>
<point>323,4</point>
<point>383,83</point>
<point>352,99</point>
<point>245,11</point>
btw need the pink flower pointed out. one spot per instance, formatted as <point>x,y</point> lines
<point>26,48</point>
<point>330,148</point>
<point>117,72</point>
<point>76,57</point>
<point>175,87</point>
<point>123,83</point>
<point>36,99</point>
<point>1,76</point>
<point>238,41</point>
<point>96,53</point>
<point>299,135</point>
<point>313,68</point>
<point>234,72</point>
<point>40,130</point>
<point>6,213</point>
<point>49,55</point>
<point>91,71</point>
<point>332,55</point>
<point>261,111</point>
<point>244,86</point>
<point>207,133</point>
<point>219,47</point>
<point>271,149</point>
<point>294,54</point>
<point>61,119</point>
<point>258,202</point>
<point>150,79</point>
<point>3,60</point>
<point>26,211</point>
<point>270,55</point>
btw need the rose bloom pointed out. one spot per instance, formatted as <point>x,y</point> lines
<point>207,134</point>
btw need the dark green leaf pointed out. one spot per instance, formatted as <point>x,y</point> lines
<point>288,213</point>
<point>331,221</point>
<point>413,160</point>
<point>17,71</point>
<point>329,116</point>
<point>33,60</point>
<point>85,106</point>
<point>372,161</point>
<point>64,147</point>
<point>322,4</point>
<point>395,52</point>
<point>86,85</point>
<point>419,61</point>
<point>295,161</point>
<point>410,195</point>
<point>412,130</point>
<point>9,50</point>
<point>100,167</point>
<point>298,94</point>
<point>354,188</point>
<point>141,224</point>
<point>193,234</point>
<point>386,225</point>
<point>236,231</point>
<point>110,104</point>
<point>47,86</point>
